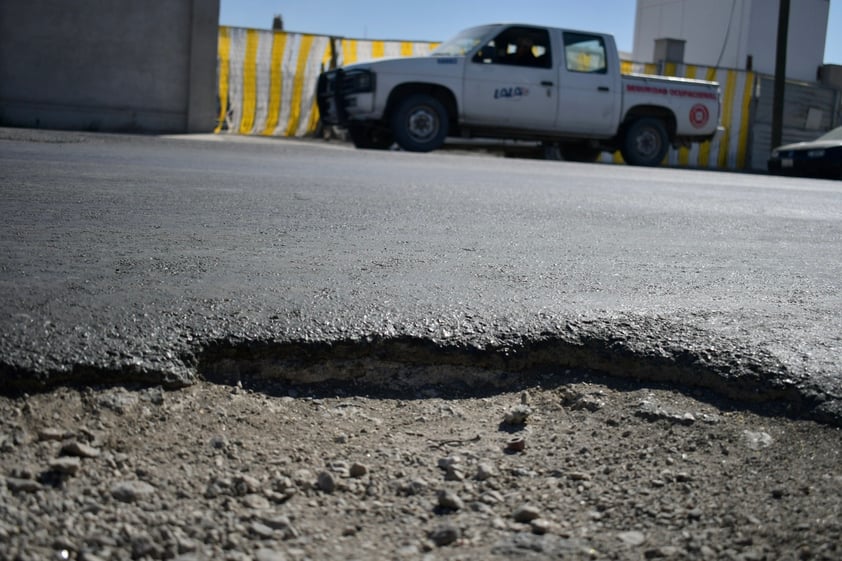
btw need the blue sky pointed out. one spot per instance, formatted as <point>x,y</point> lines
<point>436,20</point>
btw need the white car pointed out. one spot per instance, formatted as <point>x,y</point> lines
<point>821,157</point>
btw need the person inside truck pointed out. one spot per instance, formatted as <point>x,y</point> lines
<point>517,46</point>
<point>523,50</point>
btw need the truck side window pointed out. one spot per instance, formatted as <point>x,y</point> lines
<point>517,46</point>
<point>584,53</point>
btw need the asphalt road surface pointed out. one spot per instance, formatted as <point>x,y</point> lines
<point>159,260</point>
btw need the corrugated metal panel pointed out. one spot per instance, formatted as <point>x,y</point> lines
<point>799,101</point>
<point>799,98</point>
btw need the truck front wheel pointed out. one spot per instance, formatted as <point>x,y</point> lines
<point>419,123</point>
<point>645,142</point>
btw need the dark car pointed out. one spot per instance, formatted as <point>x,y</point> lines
<point>821,157</point>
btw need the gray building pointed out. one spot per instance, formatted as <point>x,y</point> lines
<point>109,65</point>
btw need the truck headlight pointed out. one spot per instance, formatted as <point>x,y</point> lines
<point>358,81</point>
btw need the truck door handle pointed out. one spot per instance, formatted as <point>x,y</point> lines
<point>546,83</point>
<point>604,89</point>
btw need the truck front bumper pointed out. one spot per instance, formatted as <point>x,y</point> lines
<point>343,95</point>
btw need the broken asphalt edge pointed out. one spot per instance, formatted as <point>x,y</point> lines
<point>383,361</point>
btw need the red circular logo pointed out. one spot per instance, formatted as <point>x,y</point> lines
<point>699,115</point>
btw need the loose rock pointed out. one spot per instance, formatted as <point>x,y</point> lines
<point>131,491</point>
<point>78,449</point>
<point>449,462</point>
<point>262,530</point>
<point>264,554</point>
<point>445,534</point>
<point>540,526</point>
<point>67,465</point>
<point>245,484</point>
<point>454,473</point>
<point>757,440</point>
<point>632,538</point>
<point>526,513</point>
<point>485,471</point>
<point>257,502</point>
<point>413,487</point>
<point>282,524</point>
<point>52,433</point>
<point>518,415</point>
<point>22,485</point>
<point>449,500</point>
<point>358,470</point>
<point>326,482</point>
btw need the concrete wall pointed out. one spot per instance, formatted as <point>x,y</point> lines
<point>109,65</point>
<point>724,33</point>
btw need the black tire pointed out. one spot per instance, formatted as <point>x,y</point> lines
<point>420,123</point>
<point>370,138</point>
<point>645,142</point>
<point>579,153</point>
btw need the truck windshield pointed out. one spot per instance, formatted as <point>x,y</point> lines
<point>463,42</point>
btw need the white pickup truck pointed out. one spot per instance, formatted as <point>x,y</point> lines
<point>527,82</point>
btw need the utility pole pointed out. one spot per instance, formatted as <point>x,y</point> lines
<point>780,75</point>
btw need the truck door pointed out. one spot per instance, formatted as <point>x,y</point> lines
<point>511,81</point>
<point>589,89</point>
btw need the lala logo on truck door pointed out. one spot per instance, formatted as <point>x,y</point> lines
<point>512,92</point>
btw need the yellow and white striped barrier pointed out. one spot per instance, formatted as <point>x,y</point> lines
<point>267,79</point>
<point>358,50</point>
<point>727,151</point>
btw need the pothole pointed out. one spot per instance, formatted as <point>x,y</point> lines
<point>402,365</point>
<point>405,364</point>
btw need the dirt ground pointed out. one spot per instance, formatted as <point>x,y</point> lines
<point>579,468</point>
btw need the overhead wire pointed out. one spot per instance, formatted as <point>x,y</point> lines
<point>727,34</point>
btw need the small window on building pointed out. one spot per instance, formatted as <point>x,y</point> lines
<point>518,46</point>
<point>584,53</point>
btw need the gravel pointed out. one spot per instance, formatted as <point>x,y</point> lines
<point>610,470</point>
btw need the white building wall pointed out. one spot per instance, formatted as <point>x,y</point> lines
<point>725,33</point>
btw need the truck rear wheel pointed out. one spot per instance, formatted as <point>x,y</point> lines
<point>645,142</point>
<point>420,123</point>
